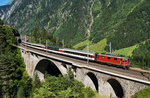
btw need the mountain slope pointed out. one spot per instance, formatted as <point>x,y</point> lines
<point>123,22</point>
<point>3,10</point>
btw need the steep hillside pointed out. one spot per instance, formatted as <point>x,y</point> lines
<point>122,22</point>
<point>3,10</point>
<point>7,10</point>
<point>67,19</point>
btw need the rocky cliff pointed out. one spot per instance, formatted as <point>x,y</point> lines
<point>3,10</point>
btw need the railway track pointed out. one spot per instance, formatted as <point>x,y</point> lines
<point>138,74</point>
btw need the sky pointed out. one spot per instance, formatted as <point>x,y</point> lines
<point>3,2</point>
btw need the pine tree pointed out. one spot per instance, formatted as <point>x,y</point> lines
<point>20,93</point>
<point>36,34</point>
<point>1,22</point>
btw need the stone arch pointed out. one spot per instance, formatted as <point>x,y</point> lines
<point>116,87</point>
<point>91,81</point>
<point>48,66</point>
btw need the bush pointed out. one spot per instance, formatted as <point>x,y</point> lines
<point>63,87</point>
<point>1,22</point>
<point>145,93</point>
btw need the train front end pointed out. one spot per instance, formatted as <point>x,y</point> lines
<point>126,63</point>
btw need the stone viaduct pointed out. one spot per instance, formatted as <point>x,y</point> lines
<point>103,82</point>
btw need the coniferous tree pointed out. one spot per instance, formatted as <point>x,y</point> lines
<point>0,88</point>
<point>36,82</point>
<point>45,34</point>
<point>1,22</point>
<point>20,93</point>
<point>36,34</point>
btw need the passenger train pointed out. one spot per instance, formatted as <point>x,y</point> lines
<point>109,59</point>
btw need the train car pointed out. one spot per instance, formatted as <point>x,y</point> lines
<point>114,60</point>
<point>53,48</point>
<point>38,46</point>
<point>91,55</point>
<point>23,42</point>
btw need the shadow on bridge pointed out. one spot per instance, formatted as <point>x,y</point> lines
<point>94,80</point>
<point>116,87</point>
<point>46,66</point>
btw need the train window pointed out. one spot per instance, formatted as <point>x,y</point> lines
<point>115,58</point>
<point>108,57</point>
<point>124,60</point>
<point>102,56</point>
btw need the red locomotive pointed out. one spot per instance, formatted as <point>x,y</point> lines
<point>114,60</point>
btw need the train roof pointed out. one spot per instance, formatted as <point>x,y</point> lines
<point>33,43</point>
<point>113,55</point>
<point>54,47</point>
<point>78,51</point>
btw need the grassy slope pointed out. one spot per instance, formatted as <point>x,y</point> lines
<point>101,96</point>
<point>82,44</point>
<point>145,93</point>
<point>126,51</point>
<point>93,47</point>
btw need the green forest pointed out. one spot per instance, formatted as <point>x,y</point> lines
<point>11,63</point>
<point>46,38</point>
<point>41,36</point>
<point>141,56</point>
